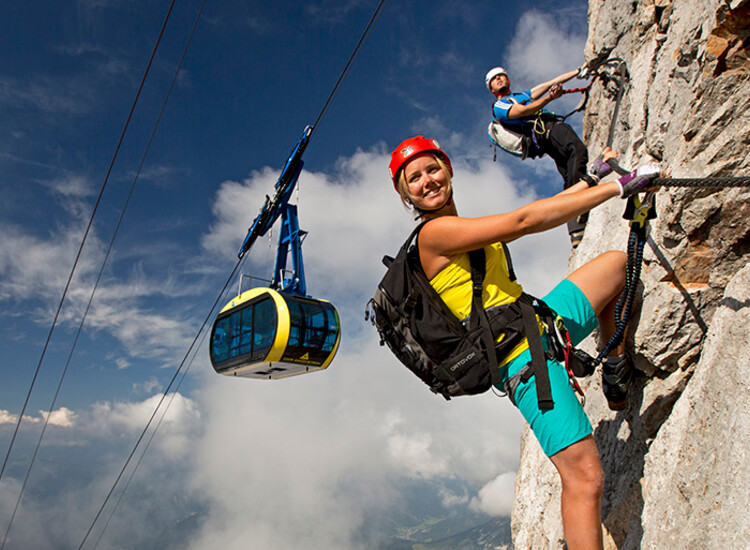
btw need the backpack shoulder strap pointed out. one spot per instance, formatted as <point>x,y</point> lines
<point>388,260</point>
<point>478,315</point>
<point>413,236</point>
<point>508,261</point>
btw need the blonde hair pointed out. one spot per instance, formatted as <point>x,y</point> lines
<point>402,188</point>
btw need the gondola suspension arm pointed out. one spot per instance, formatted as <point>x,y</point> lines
<point>274,208</point>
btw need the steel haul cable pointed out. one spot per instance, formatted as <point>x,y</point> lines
<point>107,254</point>
<point>352,57</point>
<point>344,72</point>
<point>83,241</point>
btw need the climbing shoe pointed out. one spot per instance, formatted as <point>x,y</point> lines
<point>617,373</point>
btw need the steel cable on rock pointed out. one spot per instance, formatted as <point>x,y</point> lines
<point>738,181</point>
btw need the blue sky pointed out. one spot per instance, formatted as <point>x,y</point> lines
<point>255,75</point>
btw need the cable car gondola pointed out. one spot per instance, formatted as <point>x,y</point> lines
<point>263,333</point>
<point>279,331</point>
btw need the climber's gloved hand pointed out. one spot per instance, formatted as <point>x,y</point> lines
<point>638,180</point>
<point>583,72</point>
<point>600,168</point>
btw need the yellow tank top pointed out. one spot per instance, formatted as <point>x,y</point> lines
<point>453,285</point>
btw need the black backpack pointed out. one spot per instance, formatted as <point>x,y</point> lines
<point>451,358</point>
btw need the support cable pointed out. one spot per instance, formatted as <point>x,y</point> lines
<point>323,111</point>
<point>85,236</point>
<point>345,71</point>
<point>101,272</point>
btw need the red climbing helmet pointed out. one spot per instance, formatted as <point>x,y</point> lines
<point>412,147</point>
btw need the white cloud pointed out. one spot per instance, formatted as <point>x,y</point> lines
<point>450,499</point>
<point>152,385</point>
<point>25,262</point>
<point>300,463</point>
<point>90,452</point>
<point>134,415</point>
<point>121,307</point>
<point>47,94</point>
<point>542,48</point>
<point>329,13</point>
<point>496,498</point>
<point>62,417</point>
<point>6,417</point>
<point>413,453</point>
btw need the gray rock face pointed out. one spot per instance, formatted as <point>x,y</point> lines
<point>676,459</point>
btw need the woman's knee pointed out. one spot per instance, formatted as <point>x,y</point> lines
<point>586,480</point>
<point>612,265</point>
<point>580,469</point>
<point>617,258</point>
<point>602,278</point>
<point>591,479</point>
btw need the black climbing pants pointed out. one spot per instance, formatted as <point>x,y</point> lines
<point>564,146</point>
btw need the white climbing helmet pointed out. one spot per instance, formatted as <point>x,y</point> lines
<point>492,74</point>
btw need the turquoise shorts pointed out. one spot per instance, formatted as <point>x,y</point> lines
<point>566,423</point>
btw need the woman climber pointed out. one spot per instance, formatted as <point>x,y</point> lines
<point>421,173</point>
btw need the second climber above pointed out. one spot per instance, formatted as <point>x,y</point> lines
<point>522,118</point>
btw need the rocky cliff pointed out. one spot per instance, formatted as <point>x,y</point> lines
<point>676,460</point>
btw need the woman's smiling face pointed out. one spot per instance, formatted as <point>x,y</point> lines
<point>427,184</point>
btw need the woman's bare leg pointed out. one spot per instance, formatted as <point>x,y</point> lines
<point>582,485</point>
<point>601,280</point>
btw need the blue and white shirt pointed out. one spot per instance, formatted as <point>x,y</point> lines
<point>502,106</point>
